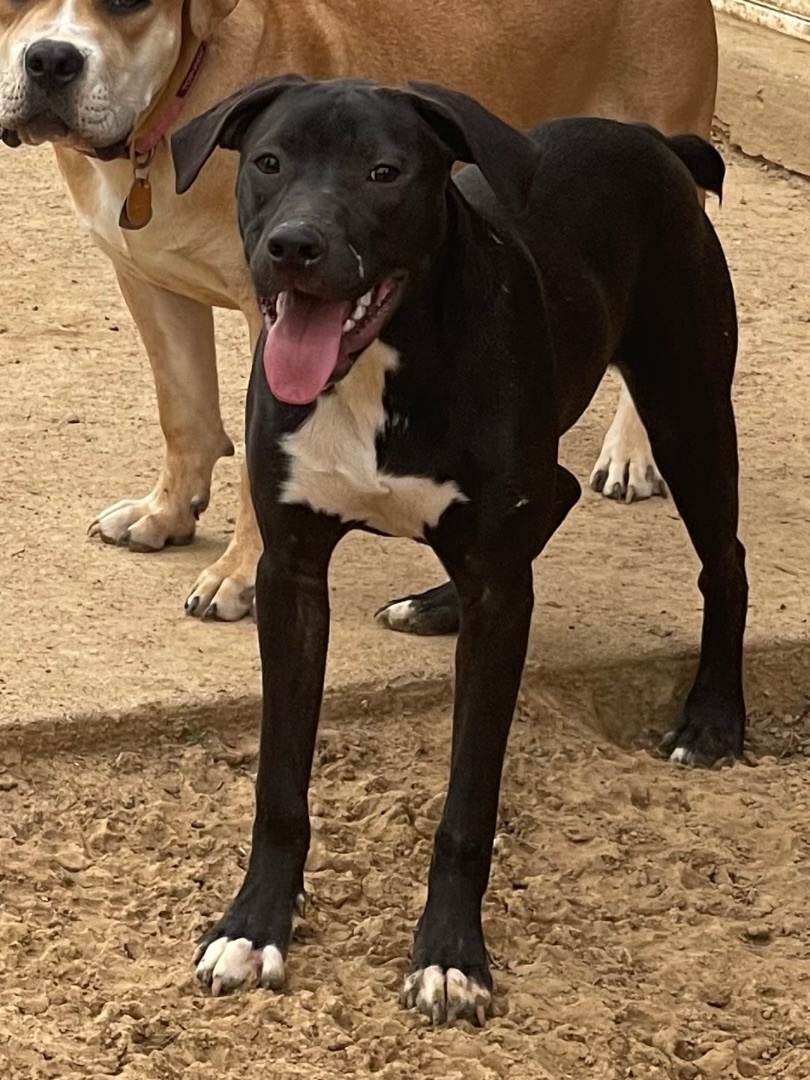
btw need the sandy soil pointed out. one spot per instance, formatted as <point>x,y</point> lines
<point>645,922</point>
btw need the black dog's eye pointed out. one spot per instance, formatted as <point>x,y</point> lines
<point>125,7</point>
<point>383,174</point>
<point>267,163</point>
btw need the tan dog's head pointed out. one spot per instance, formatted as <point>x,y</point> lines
<point>84,71</point>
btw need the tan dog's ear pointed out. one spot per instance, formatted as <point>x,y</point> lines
<point>204,16</point>
<point>223,125</point>
<point>506,157</point>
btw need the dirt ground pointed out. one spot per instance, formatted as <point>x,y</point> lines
<point>644,921</point>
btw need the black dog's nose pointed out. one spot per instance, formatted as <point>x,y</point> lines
<point>53,65</point>
<point>296,246</point>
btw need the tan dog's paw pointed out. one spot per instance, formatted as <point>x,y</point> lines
<point>626,470</point>
<point>225,590</point>
<point>626,478</point>
<point>148,524</point>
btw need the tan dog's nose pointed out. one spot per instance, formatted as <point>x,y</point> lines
<point>53,65</point>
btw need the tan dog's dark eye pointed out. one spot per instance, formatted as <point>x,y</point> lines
<point>383,174</point>
<point>126,7</point>
<point>267,163</point>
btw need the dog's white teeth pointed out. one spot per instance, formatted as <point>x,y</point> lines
<point>359,312</point>
<point>281,300</point>
<point>348,325</point>
<point>365,301</point>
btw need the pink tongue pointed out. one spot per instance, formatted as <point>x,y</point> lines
<point>303,346</point>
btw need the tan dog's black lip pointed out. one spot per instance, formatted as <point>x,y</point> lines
<point>44,126</point>
<point>10,138</point>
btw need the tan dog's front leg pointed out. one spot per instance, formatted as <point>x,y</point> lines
<point>226,589</point>
<point>179,337</point>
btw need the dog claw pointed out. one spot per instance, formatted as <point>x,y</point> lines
<point>598,480</point>
<point>198,506</point>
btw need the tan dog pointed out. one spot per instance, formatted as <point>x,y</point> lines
<point>100,77</point>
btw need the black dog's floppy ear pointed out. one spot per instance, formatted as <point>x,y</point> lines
<point>506,157</point>
<point>223,125</point>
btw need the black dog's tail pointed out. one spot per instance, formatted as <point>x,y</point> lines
<point>702,160</point>
<point>700,157</point>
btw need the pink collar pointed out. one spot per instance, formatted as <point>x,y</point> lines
<point>137,209</point>
<point>145,144</point>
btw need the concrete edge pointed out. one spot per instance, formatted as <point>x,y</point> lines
<point>763,107</point>
<point>760,13</point>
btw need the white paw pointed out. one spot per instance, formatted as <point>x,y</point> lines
<point>433,612</point>
<point>226,590</point>
<point>446,995</point>
<point>148,524</point>
<point>398,616</point>
<point>625,479</point>
<point>227,964</point>
<point>626,470</point>
<point>681,756</point>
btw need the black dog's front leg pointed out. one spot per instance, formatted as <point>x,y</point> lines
<point>292,608</point>
<point>449,975</point>
<point>449,969</point>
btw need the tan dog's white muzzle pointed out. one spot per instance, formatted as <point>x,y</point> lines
<point>84,72</point>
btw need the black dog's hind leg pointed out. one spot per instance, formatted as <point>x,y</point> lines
<point>450,975</point>
<point>429,613</point>
<point>683,394</point>
<point>292,610</point>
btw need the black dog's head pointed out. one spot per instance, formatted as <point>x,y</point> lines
<point>342,205</point>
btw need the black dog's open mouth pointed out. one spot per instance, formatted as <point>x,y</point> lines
<point>312,342</point>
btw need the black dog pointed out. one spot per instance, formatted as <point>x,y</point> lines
<point>428,341</point>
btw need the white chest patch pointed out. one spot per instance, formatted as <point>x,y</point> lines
<point>110,188</point>
<point>333,458</point>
